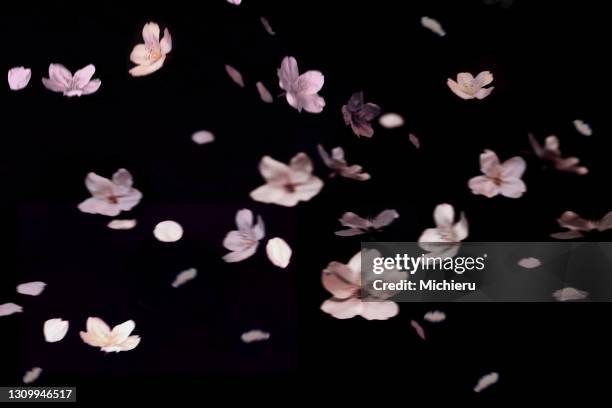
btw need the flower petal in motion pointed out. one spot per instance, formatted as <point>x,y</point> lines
<point>7,309</point>
<point>254,335</point>
<point>31,288</point>
<point>486,381</point>
<point>433,25</point>
<point>55,330</point>
<point>418,328</point>
<point>202,137</point>
<point>264,94</point>
<point>391,120</point>
<point>266,25</point>
<point>19,77</point>
<point>570,293</point>
<point>235,75</point>
<point>32,375</point>
<point>121,224</point>
<point>168,231</point>
<point>583,128</point>
<point>529,263</point>
<point>184,277</point>
<point>435,316</point>
<point>279,252</point>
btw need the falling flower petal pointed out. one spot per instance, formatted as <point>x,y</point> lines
<point>529,263</point>
<point>61,80</point>
<point>235,75</point>
<point>203,137</point>
<point>234,2</point>
<point>358,225</point>
<point>264,94</point>
<point>339,165</point>
<point>184,277</point>
<point>19,77</point>
<point>418,328</point>
<point>435,316</point>
<point>391,120</point>
<point>10,308</point>
<point>267,26</point>
<point>468,87</point>
<point>121,224</point>
<point>31,288</point>
<point>570,293</point>
<point>244,241</point>
<point>550,152</point>
<point>32,375</point>
<point>168,231</point>
<point>577,225</point>
<point>279,252</point>
<point>433,25</point>
<point>583,128</point>
<point>55,330</point>
<point>99,334</point>
<point>504,178</point>
<point>486,381</point>
<point>414,140</point>
<point>254,335</point>
<point>110,197</point>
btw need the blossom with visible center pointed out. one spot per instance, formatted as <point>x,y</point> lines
<point>118,339</point>
<point>62,80</point>
<point>504,178</point>
<point>244,241</point>
<point>301,90</point>
<point>150,56</point>
<point>468,87</point>
<point>110,197</point>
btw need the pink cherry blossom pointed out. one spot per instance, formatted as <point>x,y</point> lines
<point>468,87</point>
<point>338,164</point>
<point>504,178</point>
<point>301,90</point>
<point>150,56</point>
<point>244,241</point>
<point>62,80</point>
<point>110,197</point>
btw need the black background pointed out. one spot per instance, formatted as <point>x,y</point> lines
<point>549,66</point>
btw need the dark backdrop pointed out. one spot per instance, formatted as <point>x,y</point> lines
<point>549,66</point>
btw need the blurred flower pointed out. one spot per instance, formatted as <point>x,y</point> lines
<point>243,242</point>
<point>301,90</point>
<point>338,164</point>
<point>550,152</point>
<point>62,80</point>
<point>287,185</point>
<point>150,56</point>
<point>442,240</point>
<point>577,225</point>
<point>468,87</point>
<point>110,197</point>
<point>504,178</point>
<point>358,115</point>
<point>98,334</point>
<point>358,225</point>
<point>583,128</point>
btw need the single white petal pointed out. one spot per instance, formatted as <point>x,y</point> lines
<point>55,330</point>
<point>168,231</point>
<point>31,288</point>
<point>529,263</point>
<point>203,137</point>
<point>279,252</point>
<point>254,335</point>
<point>486,381</point>
<point>121,224</point>
<point>32,375</point>
<point>234,2</point>
<point>184,277</point>
<point>583,128</point>
<point>10,308</point>
<point>444,215</point>
<point>391,120</point>
<point>19,77</point>
<point>570,293</point>
<point>435,316</point>
<point>433,25</point>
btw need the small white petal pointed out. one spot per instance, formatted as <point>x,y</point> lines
<point>10,308</point>
<point>31,288</point>
<point>435,316</point>
<point>569,293</point>
<point>234,2</point>
<point>391,120</point>
<point>486,381</point>
<point>279,252</point>
<point>32,375</point>
<point>254,335</point>
<point>19,77</point>
<point>203,137</point>
<point>433,25</point>
<point>168,231</point>
<point>235,75</point>
<point>55,330</point>
<point>529,263</point>
<point>184,277</point>
<point>121,224</point>
<point>583,128</point>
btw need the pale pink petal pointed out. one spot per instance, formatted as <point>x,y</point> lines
<point>98,186</point>
<point>60,75</point>
<point>340,280</point>
<point>279,252</point>
<point>267,26</point>
<point>150,34</point>
<point>414,140</point>
<point>142,70</point>
<point>32,375</point>
<point>489,163</point>
<point>264,94</point>
<point>483,93</point>
<point>31,288</point>
<point>486,381</point>
<point>272,169</point>
<point>166,42</point>
<point>433,25</point>
<point>121,224</point>
<point>529,263</point>
<point>312,103</point>
<point>122,331</point>
<point>129,200</point>
<point>99,206</point>
<point>570,293</point>
<point>141,55</point>
<point>483,185</point>
<point>274,195</point>
<point>391,120</point>
<point>513,188</point>
<point>184,277</point>
<point>254,335</point>
<point>129,344</point>
<point>55,330</point>
<point>301,163</point>
<point>259,229</point>
<point>350,219</point>
<point>310,82</point>
<point>10,308</point>
<point>123,178</point>
<point>238,256</point>
<point>567,234</point>
<point>244,220</point>
<point>583,128</point>
<point>460,229</point>
<point>92,340</point>
<point>484,78</point>
<point>168,231</point>
<point>83,76</point>
<point>234,2</point>
<point>288,73</point>
<point>350,232</point>
<point>97,327</point>
<point>418,328</point>
<point>19,77</point>
<point>435,316</point>
<point>431,235</point>
<point>54,85</point>
<point>454,86</point>
<point>513,168</point>
<point>203,137</point>
<point>306,191</point>
<point>379,310</point>
<point>386,217</point>
<point>235,75</point>
<point>342,309</point>
<point>91,87</point>
<point>444,215</point>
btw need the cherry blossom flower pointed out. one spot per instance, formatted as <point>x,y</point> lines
<point>577,225</point>
<point>62,80</point>
<point>468,87</point>
<point>110,197</point>
<point>19,77</point>
<point>150,56</point>
<point>444,238</point>
<point>118,339</point>
<point>301,90</point>
<point>358,225</point>
<point>504,178</point>
<point>550,152</point>
<point>358,115</point>
<point>344,283</point>
<point>244,241</point>
<point>287,185</point>
<point>338,164</point>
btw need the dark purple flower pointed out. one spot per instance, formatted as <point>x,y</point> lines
<point>358,115</point>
